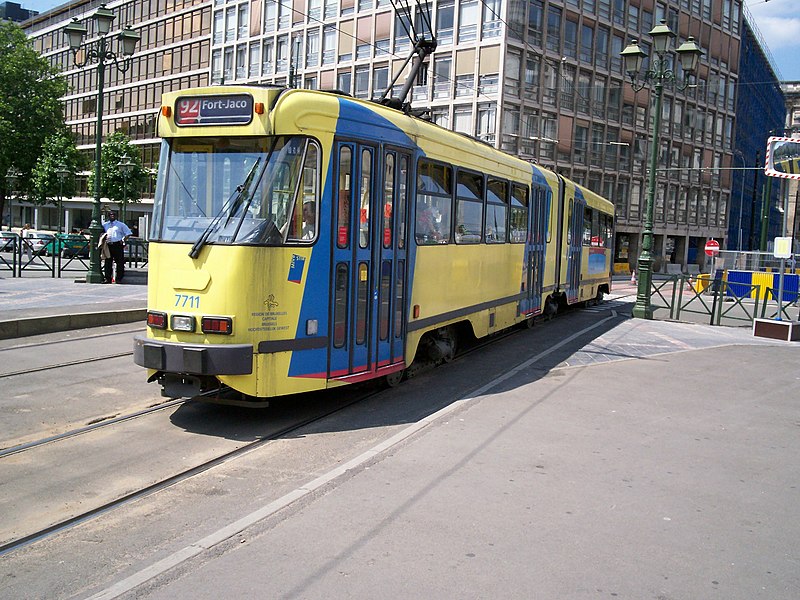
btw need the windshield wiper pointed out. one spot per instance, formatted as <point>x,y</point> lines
<point>242,190</point>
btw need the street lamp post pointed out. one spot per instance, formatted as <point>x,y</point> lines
<point>741,196</point>
<point>100,51</point>
<point>61,172</point>
<point>659,75</point>
<point>12,177</point>
<point>125,166</point>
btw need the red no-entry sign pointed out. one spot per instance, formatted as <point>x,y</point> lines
<point>712,247</point>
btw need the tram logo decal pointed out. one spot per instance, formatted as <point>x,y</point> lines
<point>296,268</point>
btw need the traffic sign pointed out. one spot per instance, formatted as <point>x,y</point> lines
<point>712,248</point>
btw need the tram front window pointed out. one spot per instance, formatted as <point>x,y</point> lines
<point>227,190</point>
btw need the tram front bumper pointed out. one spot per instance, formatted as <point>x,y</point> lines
<point>193,359</point>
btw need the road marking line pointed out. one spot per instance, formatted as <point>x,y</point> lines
<point>162,566</point>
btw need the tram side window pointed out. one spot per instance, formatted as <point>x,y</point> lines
<point>305,219</point>
<point>608,229</point>
<point>434,199</point>
<point>469,207</point>
<point>587,227</point>
<point>519,214</point>
<point>496,211</point>
<point>345,196</point>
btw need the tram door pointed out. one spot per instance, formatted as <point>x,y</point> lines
<point>574,246</point>
<point>535,247</point>
<point>369,250</point>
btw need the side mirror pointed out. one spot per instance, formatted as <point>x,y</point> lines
<point>783,157</point>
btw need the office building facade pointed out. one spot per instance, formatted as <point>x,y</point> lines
<point>542,79</point>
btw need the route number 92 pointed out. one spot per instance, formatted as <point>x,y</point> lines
<point>187,301</point>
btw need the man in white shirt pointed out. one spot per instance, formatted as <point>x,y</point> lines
<point>116,234</point>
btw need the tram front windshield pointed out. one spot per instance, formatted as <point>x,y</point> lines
<point>229,190</point>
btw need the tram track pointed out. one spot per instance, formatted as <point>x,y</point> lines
<point>225,457</point>
<point>71,363</point>
<point>179,477</point>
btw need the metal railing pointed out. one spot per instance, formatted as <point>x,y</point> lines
<point>64,254</point>
<point>722,302</point>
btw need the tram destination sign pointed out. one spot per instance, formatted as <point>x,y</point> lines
<point>227,109</point>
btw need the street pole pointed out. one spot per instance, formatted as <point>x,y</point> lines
<point>689,53</point>
<point>99,51</point>
<point>61,173</point>
<point>741,198</point>
<point>765,215</point>
<point>643,309</point>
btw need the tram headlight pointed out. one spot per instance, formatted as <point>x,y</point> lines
<point>182,323</point>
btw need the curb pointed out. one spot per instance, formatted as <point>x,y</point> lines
<point>40,325</point>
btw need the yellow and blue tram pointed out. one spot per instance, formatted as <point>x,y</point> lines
<point>303,240</point>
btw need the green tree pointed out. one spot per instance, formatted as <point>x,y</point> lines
<point>30,106</point>
<point>58,151</point>
<point>114,183</point>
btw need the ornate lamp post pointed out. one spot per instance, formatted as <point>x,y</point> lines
<point>658,75</point>
<point>62,173</point>
<point>125,166</point>
<point>99,51</point>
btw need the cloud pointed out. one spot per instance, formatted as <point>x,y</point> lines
<point>779,31</point>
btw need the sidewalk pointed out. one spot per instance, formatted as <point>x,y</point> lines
<point>38,303</point>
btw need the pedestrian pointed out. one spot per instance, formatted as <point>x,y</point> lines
<point>26,245</point>
<point>116,234</point>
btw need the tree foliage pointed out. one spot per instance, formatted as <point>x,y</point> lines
<point>114,185</point>
<point>58,151</point>
<point>30,106</point>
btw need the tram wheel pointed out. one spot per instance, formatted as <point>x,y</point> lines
<point>394,379</point>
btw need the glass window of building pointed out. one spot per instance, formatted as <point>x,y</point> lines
<point>468,15</point>
<point>487,122</point>
<point>267,58</point>
<point>535,22</point>
<point>314,11</point>
<point>587,43</point>
<point>328,45</point>
<point>230,24</point>
<point>402,25</point>
<point>383,30</point>
<point>219,26</point>
<point>532,67</point>
<point>619,12</point>
<point>380,80</point>
<point>243,21</point>
<point>312,47</point>
<point>571,38</point>
<point>270,16</point>
<point>462,119</point>
<point>441,116</point>
<point>512,73</point>
<point>282,54</point>
<point>344,81</point>
<point>554,28</point>
<point>604,9</point>
<point>445,18</point>
<point>216,67</point>
<point>228,65</point>
<point>284,14</point>
<point>255,59</point>
<point>492,23</point>
<point>442,76</point>
<point>465,85</point>
<point>362,82</point>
